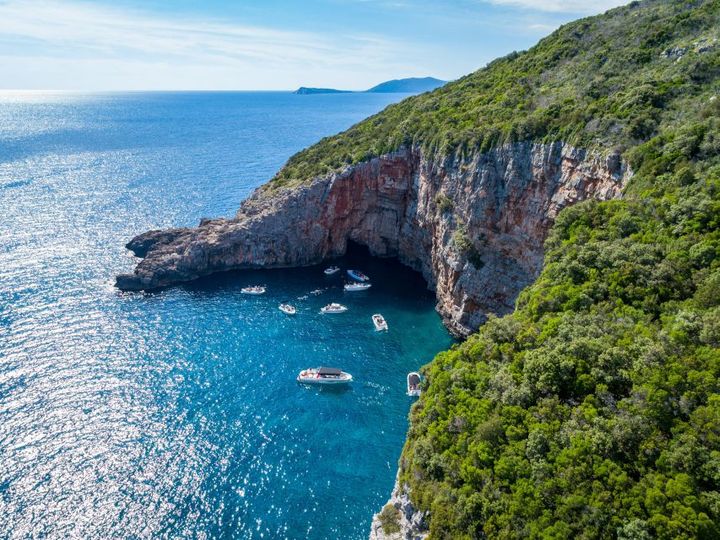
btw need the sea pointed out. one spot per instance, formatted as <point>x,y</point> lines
<point>176,414</point>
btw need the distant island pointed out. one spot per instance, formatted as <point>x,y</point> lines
<point>411,85</point>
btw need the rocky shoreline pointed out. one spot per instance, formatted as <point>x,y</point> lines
<point>474,227</point>
<point>408,522</point>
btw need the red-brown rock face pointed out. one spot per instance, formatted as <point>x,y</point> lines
<point>474,228</point>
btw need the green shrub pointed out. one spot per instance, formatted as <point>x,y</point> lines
<point>443,203</point>
<point>465,246</point>
<point>390,519</point>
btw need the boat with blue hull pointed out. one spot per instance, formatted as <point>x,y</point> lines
<point>357,275</point>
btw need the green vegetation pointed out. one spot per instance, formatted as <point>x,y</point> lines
<point>465,245</point>
<point>390,519</point>
<point>444,203</point>
<point>593,411</point>
<point>600,82</point>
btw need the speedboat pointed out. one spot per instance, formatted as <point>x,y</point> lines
<point>357,275</point>
<point>287,309</point>
<point>332,270</point>
<point>324,375</point>
<point>413,383</point>
<point>379,322</point>
<point>333,308</point>
<point>357,286</point>
<point>255,289</point>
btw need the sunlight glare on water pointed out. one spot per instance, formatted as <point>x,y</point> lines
<point>176,413</point>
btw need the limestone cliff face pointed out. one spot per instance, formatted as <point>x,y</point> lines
<point>474,228</point>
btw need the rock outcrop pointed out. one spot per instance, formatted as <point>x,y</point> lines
<point>409,520</point>
<point>474,227</point>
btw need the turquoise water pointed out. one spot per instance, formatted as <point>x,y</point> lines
<point>176,414</point>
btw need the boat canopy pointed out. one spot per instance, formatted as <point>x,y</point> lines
<point>414,378</point>
<point>329,371</point>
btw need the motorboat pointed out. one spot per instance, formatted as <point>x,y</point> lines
<point>324,375</point>
<point>357,286</point>
<point>334,308</point>
<point>332,270</point>
<point>255,289</point>
<point>379,322</point>
<point>287,309</point>
<point>357,275</point>
<point>413,383</point>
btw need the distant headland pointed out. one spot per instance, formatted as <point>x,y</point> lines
<point>411,85</point>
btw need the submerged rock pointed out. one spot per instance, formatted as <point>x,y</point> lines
<point>473,227</point>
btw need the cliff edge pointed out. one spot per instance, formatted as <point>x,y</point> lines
<point>473,227</point>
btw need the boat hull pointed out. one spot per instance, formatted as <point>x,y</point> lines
<point>323,382</point>
<point>310,376</point>
<point>413,384</point>
<point>351,288</point>
<point>380,325</point>
<point>333,311</point>
<point>357,276</point>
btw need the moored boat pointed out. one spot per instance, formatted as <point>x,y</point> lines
<point>287,309</point>
<point>332,270</point>
<point>379,322</point>
<point>357,275</point>
<point>357,286</point>
<point>255,289</point>
<point>413,383</point>
<point>324,375</point>
<point>333,308</point>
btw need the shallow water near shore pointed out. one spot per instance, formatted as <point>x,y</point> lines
<point>176,413</point>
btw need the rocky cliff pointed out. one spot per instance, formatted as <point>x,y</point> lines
<point>474,227</point>
<point>411,522</point>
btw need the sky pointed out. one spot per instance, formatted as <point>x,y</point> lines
<point>263,44</point>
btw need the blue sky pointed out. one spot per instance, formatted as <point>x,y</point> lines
<point>263,44</point>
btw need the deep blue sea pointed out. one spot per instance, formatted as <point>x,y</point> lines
<point>176,414</point>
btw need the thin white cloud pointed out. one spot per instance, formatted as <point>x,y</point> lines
<point>79,36</point>
<point>563,6</point>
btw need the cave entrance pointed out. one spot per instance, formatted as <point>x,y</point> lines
<point>389,269</point>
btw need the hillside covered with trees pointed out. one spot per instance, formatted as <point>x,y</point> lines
<point>592,411</point>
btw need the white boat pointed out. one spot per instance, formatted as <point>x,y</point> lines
<point>333,308</point>
<point>255,289</point>
<point>379,322</point>
<point>332,270</point>
<point>357,286</point>
<point>357,275</point>
<point>287,309</point>
<point>324,375</point>
<point>413,383</point>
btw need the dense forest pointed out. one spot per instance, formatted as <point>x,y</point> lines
<point>592,411</point>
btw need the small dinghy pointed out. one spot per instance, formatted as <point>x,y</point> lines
<point>333,308</point>
<point>413,384</point>
<point>255,289</point>
<point>324,375</point>
<point>379,322</point>
<point>357,286</point>
<point>287,309</point>
<point>332,270</point>
<point>357,275</point>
